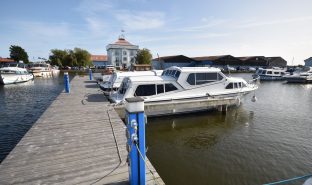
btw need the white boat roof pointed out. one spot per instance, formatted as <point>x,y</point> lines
<point>149,78</point>
<point>195,69</point>
<point>135,73</point>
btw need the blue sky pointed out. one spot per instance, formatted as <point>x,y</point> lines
<point>193,28</point>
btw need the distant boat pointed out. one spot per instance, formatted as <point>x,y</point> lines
<point>113,83</point>
<point>14,73</point>
<point>300,76</point>
<point>41,70</point>
<point>274,73</point>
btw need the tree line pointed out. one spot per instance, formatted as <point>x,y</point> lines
<point>76,57</point>
<point>67,57</point>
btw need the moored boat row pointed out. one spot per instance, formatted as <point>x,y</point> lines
<point>180,89</point>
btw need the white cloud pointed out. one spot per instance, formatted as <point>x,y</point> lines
<point>275,22</point>
<point>88,7</point>
<point>140,20</point>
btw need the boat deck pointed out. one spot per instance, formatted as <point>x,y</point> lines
<point>79,139</point>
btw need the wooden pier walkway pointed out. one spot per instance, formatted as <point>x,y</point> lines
<point>79,139</point>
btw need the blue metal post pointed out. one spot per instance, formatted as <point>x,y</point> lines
<point>66,82</point>
<point>133,155</point>
<point>141,130</point>
<point>136,137</point>
<point>90,74</point>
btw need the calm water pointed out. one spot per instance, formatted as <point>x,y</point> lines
<point>21,105</point>
<point>256,143</point>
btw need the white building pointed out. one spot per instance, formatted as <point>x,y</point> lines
<point>308,62</point>
<point>122,53</point>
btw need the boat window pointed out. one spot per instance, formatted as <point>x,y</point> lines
<point>236,85</point>
<point>244,85</point>
<point>276,73</point>
<point>203,78</point>
<point>263,72</point>
<point>229,86</point>
<point>170,87</point>
<point>283,73</point>
<point>145,90</point>
<point>240,84</point>
<point>191,79</point>
<point>160,88</point>
<point>269,72</point>
<point>172,73</point>
<point>123,87</point>
<point>177,74</point>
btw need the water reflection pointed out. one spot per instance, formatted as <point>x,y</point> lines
<point>255,143</point>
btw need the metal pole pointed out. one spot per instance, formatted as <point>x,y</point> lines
<point>90,74</point>
<point>136,137</point>
<point>66,82</point>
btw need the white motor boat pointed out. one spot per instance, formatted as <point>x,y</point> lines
<point>183,89</point>
<point>116,78</point>
<point>275,73</point>
<point>41,70</point>
<point>300,76</point>
<point>14,73</point>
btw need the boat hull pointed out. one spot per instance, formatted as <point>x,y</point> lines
<point>271,78</point>
<point>13,78</point>
<point>298,80</point>
<point>172,107</point>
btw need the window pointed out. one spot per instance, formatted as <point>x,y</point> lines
<point>170,87</point>
<point>177,74</point>
<point>191,79</point>
<point>160,89</point>
<point>125,59</point>
<point>263,72</point>
<point>124,52</point>
<point>131,53</point>
<point>116,52</point>
<point>145,90</point>
<point>235,85</point>
<point>269,72</point>
<point>203,78</point>
<point>276,73</point>
<point>229,86</point>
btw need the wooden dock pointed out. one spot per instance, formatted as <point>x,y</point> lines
<point>79,139</point>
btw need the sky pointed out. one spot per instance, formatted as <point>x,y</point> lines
<point>188,27</point>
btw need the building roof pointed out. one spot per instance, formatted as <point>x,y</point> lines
<point>123,41</point>
<point>6,60</point>
<point>210,58</point>
<point>244,58</point>
<point>175,59</point>
<point>99,57</point>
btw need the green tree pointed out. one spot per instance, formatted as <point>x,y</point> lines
<point>70,59</point>
<point>57,57</point>
<point>17,53</point>
<point>143,56</point>
<point>83,57</point>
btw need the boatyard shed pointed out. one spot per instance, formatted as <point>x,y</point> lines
<point>99,60</point>
<point>176,60</point>
<point>221,60</point>
<point>308,62</point>
<point>253,61</point>
<point>276,62</point>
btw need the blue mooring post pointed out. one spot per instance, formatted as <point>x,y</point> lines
<point>66,82</point>
<point>90,74</point>
<point>136,137</point>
